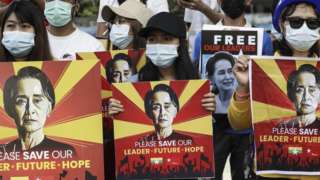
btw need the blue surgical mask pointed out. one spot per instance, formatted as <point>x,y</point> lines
<point>119,35</point>
<point>58,13</point>
<point>162,55</point>
<point>18,43</point>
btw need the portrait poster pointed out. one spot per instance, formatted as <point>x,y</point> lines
<point>285,115</point>
<point>50,121</point>
<point>137,60</point>
<point>235,40</point>
<point>170,108</point>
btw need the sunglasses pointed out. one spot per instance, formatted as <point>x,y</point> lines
<point>296,22</point>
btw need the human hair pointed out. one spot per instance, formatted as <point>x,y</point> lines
<point>211,64</point>
<point>222,55</point>
<point>183,67</point>
<point>10,89</point>
<point>293,77</point>
<point>28,12</point>
<point>148,102</point>
<point>282,45</point>
<point>110,64</point>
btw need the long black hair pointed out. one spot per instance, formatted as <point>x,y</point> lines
<point>183,67</point>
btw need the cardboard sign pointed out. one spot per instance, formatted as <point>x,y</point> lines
<point>285,100</point>
<point>51,124</point>
<point>164,131</point>
<point>234,40</point>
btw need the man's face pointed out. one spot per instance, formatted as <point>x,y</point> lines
<point>121,71</point>
<point>307,94</point>
<point>31,106</point>
<point>163,109</point>
<point>223,76</point>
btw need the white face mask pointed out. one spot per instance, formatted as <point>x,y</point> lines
<point>302,39</point>
<point>119,35</point>
<point>18,43</point>
<point>162,55</point>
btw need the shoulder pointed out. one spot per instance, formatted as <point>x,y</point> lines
<point>54,145</point>
<point>87,39</point>
<point>291,123</point>
<point>14,145</point>
<point>179,136</point>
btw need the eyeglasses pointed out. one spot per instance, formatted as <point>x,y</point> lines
<point>297,22</point>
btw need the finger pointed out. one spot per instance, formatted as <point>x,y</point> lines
<point>111,105</point>
<point>240,67</point>
<point>208,100</point>
<point>209,106</point>
<point>112,100</point>
<point>113,111</point>
<point>209,95</point>
<point>187,4</point>
<point>210,109</point>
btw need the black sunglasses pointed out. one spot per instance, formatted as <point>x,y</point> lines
<point>297,22</point>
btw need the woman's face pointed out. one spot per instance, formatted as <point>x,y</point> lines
<point>13,24</point>
<point>159,37</point>
<point>303,11</point>
<point>122,20</point>
<point>223,76</point>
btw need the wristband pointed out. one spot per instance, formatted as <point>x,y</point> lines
<point>241,96</point>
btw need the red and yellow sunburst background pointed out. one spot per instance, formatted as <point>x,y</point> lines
<point>137,56</point>
<point>271,106</point>
<point>133,124</point>
<point>75,120</point>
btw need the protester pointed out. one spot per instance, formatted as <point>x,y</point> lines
<point>238,144</point>
<point>195,18</point>
<point>234,15</point>
<point>127,20</point>
<point>156,6</point>
<point>66,39</point>
<point>167,56</point>
<point>297,20</point>
<point>299,25</point>
<point>23,33</point>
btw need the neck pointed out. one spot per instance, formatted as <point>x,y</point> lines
<point>163,133</point>
<point>300,53</point>
<point>62,31</point>
<point>240,21</point>
<point>31,139</point>
<point>167,73</point>
<point>225,95</point>
<point>306,119</point>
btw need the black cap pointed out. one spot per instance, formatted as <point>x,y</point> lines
<point>165,22</point>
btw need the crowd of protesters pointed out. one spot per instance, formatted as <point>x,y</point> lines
<point>39,30</point>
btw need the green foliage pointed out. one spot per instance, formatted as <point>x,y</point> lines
<point>88,8</point>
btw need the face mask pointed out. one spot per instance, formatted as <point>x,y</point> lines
<point>276,34</point>
<point>119,35</point>
<point>233,8</point>
<point>58,12</point>
<point>162,55</point>
<point>301,39</point>
<point>18,43</point>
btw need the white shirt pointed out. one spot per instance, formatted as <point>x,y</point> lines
<point>66,47</point>
<point>197,19</point>
<point>155,6</point>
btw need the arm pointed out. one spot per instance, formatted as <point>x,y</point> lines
<point>101,30</point>
<point>239,112</point>
<point>198,5</point>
